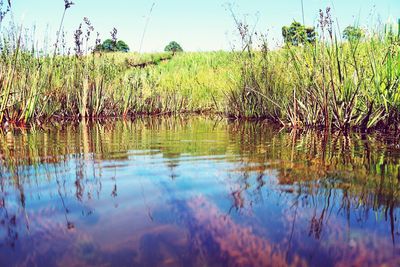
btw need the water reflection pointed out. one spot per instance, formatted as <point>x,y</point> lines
<point>195,191</point>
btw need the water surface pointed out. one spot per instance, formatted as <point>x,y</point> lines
<point>197,192</point>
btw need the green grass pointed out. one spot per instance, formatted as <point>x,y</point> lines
<point>203,79</point>
<point>332,84</point>
<point>103,85</point>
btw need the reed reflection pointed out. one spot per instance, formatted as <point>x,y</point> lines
<point>244,193</point>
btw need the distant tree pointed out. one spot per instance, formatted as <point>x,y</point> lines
<point>173,47</point>
<point>122,46</point>
<point>311,35</point>
<point>352,33</point>
<point>298,34</point>
<point>110,45</point>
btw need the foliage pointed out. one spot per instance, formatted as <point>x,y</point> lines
<point>110,45</point>
<point>173,47</point>
<point>122,46</point>
<point>352,33</point>
<point>297,34</point>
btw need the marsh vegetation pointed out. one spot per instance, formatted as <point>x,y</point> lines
<point>318,79</point>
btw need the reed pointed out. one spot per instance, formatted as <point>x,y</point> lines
<point>330,83</point>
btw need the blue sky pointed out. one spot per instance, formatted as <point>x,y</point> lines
<point>196,25</point>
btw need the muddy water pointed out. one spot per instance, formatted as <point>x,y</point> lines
<point>197,192</point>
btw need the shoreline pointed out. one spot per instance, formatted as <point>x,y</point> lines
<point>57,120</point>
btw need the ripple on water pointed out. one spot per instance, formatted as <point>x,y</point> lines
<point>195,192</point>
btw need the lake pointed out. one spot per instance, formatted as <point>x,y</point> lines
<point>196,191</point>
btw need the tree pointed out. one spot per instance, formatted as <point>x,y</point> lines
<point>298,34</point>
<point>122,46</point>
<point>173,47</point>
<point>110,45</point>
<point>352,33</point>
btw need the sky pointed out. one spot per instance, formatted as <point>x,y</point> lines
<point>202,25</point>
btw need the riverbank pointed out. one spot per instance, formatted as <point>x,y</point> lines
<point>106,85</point>
<point>331,84</point>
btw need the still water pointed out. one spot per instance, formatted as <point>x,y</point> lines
<point>197,192</point>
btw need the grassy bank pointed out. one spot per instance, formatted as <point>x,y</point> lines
<point>102,85</point>
<point>329,84</point>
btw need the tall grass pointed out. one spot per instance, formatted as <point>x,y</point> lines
<point>328,84</point>
<point>85,85</point>
<point>39,86</point>
<point>103,85</point>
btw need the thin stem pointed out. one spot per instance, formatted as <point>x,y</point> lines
<point>59,31</point>
<point>145,27</point>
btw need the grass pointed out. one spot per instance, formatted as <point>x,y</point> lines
<point>329,84</point>
<point>110,84</point>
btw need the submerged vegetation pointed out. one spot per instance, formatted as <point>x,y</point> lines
<point>317,79</point>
